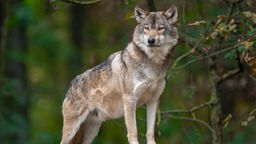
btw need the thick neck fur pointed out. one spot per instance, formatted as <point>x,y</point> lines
<point>156,26</point>
<point>159,55</point>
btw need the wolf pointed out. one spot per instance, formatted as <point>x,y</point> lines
<point>126,80</point>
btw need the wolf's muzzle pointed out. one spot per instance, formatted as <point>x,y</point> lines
<point>151,41</point>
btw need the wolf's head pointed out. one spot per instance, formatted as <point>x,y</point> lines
<point>155,30</point>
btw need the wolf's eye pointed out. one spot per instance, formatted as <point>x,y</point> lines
<point>146,27</point>
<point>161,28</point>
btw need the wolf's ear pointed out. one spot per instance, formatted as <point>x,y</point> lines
<point>171,14</point>
<point>140,14</point>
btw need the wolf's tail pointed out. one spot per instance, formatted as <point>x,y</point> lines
<point>73,118</point>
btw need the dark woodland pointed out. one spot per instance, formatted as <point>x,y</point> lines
<point>210,96</point>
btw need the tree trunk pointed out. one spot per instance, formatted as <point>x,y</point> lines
<point>3,15</point>
<point>215,110</point>
<point>77,36</point>
<point>15,102</point>
<point>151,5</point>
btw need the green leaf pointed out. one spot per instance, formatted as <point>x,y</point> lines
<point>230,55</point>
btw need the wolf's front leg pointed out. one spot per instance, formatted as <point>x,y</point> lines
<point>151,118</point>
<point>130,120</point>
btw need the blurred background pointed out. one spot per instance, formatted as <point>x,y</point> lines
<point>45,44</point>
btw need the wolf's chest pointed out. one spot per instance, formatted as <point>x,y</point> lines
<point>147,84</point>
<point>147,91</point>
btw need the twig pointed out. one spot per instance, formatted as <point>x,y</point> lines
<point>81,2</point>
<point>181,58</point>
<point>192,119</point>
<point>204,57</point>
<point>228,75</point>
<point>191,51</point>
<point>186,54</point>
<point>183,37</point>
<point>193,109</point>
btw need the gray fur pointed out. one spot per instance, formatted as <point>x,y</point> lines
<point>125,81</point>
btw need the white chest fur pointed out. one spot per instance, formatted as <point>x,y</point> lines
<point>146,84</point>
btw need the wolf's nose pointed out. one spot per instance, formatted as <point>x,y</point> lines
<point>151,41</point>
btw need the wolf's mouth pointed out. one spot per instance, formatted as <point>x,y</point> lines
<point>154,45</point>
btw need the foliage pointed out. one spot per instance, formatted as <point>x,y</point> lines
<point>220,31</point>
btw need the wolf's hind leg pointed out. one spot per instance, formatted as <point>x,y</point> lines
<point>91,128</point>
<point>72,120</point>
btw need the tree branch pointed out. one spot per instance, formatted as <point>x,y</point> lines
<point>191,119</point>
<point>228,75</point>
<point>204,57</point>
<point>184,56</point>
<point>191,41</point>
<point>191,110</point>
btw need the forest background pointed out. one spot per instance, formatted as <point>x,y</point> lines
<point>210,95</point>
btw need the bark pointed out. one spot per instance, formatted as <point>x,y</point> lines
<point>215,109</point>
